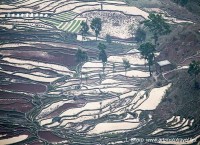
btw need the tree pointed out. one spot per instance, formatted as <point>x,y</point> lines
<point>108,39</point>
<point>113,67</point>
<point>194,69</point>
<point>126,65</point>
<point>102,54</point>
<point>86,77</point>
<point>140,35</point>
<point>81,57</point>
<point>96,26</point>
<point>100,77</point>
<point>101,46</point>
<point>147,51</point>
<point>56,119</point>
<point>157,25</point>
<point>132,29</point>
<point>84,28</point>
<point>150,61</point>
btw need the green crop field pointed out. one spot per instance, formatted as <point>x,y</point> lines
<point>65,16</point>
<point>71,25</point>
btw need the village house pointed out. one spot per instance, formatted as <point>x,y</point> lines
<point>162,66</point>
<point>28,15</point>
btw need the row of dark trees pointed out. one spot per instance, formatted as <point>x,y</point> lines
<point>82,57</point>
<point>158,26</point>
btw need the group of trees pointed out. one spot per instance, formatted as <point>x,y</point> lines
<point>102,54</point>
<point>81,57</point>
<point>158,26</point>
<point>96,26</point>
<point>147,51</point>
<point>155,23</point>
<point>138,33</point>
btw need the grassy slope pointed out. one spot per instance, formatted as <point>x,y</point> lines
<point>181,43</point>
<point>182,99</point>
<point>144,3</point>
<point>193,6</point>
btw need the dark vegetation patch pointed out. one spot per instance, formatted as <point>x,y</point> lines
<point>182,98</point>
<point>181,43</point>
<point>192,5</point>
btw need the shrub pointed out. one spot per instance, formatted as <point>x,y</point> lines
<point>56,119</point>
<point>144,115</point>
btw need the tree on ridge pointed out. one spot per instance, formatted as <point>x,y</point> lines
<point>81,57</point>
<point>147,50</point>
<point>96,26</point>
<point>157,25</point>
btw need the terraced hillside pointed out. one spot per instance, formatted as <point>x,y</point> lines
<point>52,105</point>
<point>59,16</point>
<point>66,21</point>
<point>45,100</point>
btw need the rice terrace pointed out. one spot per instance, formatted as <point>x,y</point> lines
<point>99,72</point>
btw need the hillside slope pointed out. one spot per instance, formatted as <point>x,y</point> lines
<point>181,43</point>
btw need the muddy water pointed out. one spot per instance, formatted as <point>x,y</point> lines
<point>62,57</point>
<point>22,87</point>
<point>49,136</point>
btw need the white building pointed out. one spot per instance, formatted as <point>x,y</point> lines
<point>12,15</point>
<point>36,15</point>
<point>163,66</point>
<point>28,15</point>
<point>31,15</point>
<point>8,15</point>
<point>45,15</point>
